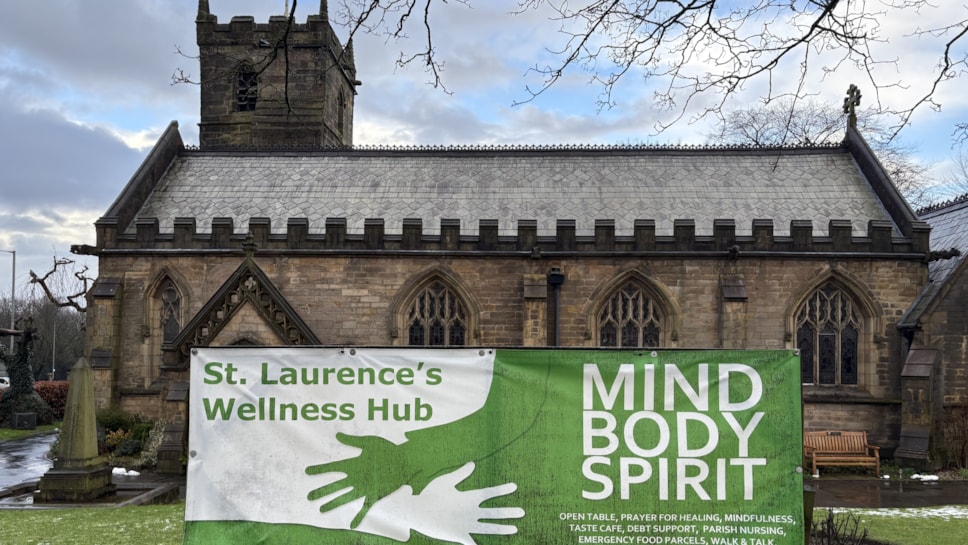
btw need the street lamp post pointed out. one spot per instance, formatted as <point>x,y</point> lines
<point>13,287</point>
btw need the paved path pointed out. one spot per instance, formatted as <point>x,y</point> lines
<point>25,459</point>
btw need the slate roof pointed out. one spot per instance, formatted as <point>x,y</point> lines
<point>949,229</point>
<point>511,184</point>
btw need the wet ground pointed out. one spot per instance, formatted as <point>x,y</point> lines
<point>883,493</point>
<point>25,460</point>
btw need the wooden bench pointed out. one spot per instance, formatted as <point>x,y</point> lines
<point>839,448</point>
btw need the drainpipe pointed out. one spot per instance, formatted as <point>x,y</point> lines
<point>555,279</point>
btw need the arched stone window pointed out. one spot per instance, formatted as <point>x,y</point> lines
<point>169,302</point>
<point>166,303</point>
<point>828,328</point>
<point>436,316</point>
<point>630,317</point>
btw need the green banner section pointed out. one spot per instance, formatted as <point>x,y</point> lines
<point>509,446</point>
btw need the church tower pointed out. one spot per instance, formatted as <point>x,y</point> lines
<point>274,85</point>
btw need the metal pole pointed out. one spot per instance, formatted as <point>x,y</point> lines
<point>13,287</point>
<point>13,292</point>
<point>53,349</point>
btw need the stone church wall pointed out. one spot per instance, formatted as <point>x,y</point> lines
<point>946,330</point>
<point>348,300</point>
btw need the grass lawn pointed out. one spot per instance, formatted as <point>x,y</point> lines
<point>916,526</point>
<point>145,525</point>
<point>162,525</point>
<point>7,433</point>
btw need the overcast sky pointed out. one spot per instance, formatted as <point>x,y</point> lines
<point>85,90</point>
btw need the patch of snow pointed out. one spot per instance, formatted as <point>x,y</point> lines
<point>945,512</point>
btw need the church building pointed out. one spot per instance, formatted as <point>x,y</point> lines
<point>276,231</point>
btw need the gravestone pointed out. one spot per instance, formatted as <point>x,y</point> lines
<point>79,474</point>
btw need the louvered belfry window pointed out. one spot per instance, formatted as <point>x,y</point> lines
<point>828,328</point>
<point>247,92</point>
<point>437,317</point>
<point>630,319</point>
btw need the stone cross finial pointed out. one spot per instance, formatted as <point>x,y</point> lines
<point>851,102</point>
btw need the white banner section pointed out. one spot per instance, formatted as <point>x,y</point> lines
<point>259,417</point>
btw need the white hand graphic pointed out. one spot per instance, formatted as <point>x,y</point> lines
<point>442,511</point>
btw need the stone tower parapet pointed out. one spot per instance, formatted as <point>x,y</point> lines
<point>276,83</point>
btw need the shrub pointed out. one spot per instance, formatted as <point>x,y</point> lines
<point>149,450</point>
<point>115,438</point>
<point>29,403</point>
<point>838,530</point>
<point>129,447</point>
<point>140,431</point>
<point>55,394</point>
<point>114,419</point>
<point>955,421</point>
<point>54,448</point>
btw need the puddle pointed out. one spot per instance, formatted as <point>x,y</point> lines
<point>887,493</point>
<point>25,459</point>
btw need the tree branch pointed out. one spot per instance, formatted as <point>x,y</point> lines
<point>72,300</point>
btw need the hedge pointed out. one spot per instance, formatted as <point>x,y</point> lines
<point>54,392</point>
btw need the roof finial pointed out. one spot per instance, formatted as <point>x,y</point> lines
<point>851,102</point>
<point>249,246</point>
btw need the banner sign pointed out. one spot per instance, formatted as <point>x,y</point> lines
<point>295,446</point>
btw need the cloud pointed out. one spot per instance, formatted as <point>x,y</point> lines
<point>51,162</point>
<point>85,90</point>
<point>58,178</point>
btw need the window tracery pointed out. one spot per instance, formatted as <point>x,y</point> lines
<point>436,317</point>
<point>630,318</point>
<point>170,305</point>
<point>828,326</point>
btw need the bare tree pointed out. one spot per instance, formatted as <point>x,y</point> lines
<point>697,54</point>
<point>62,292</point>
<point>709,48</point>
<point>961,133</point>
<point>955,180</point>
<point>60,338</point>
<point>790,122</point>
<point>58,331</point>
<point>783,123</point>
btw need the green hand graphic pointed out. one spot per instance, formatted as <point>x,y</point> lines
<point>369,475</point>
<point>383,467</point>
